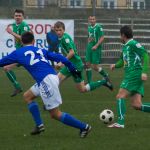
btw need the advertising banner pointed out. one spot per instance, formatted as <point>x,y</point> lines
<point>39,27</point>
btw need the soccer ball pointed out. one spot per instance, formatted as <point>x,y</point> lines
<point>106,116</point>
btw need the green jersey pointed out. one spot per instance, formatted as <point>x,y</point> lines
<point>66,44</point>
<point>133,54</point>
<point>135,60</point>
<point>95,33</point>
<point>20,29</point>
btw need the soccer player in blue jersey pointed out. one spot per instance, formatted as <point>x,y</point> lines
<point>35,61</point>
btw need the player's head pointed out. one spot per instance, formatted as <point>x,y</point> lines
<point>18,15</point>
<point>59,28</point>
<point>27,38</point>
<point>92,20</point>
<point>126,33</point>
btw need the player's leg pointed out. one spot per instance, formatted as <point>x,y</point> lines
<point>61,77</point>
<point>12,77</point>
<point>92,85</point>
<point>96,60</point>
<point>69,120</point>
<point>88,72</point>
<point>88,63</point>
<point>29,97</point>
<point>52,100</point>
<point>80,84</point>
<point>136,102</point>
<point>100,70</point>
<point>63,74</point>
<point>121,108</point>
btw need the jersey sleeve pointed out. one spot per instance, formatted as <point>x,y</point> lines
<point>142,52</point>
<point>25,28</point>
<point>145,63</point>
<point>9,59</point>
<point>60,58</point>
<point>139,49</point>
<point>100,31</point>
<point>120,62</point>
<point>68,44</point>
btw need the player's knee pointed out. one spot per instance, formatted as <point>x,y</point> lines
<point>6,68</point>
<point>118,96</point>
<point>54,116</point>
<point>88,66</point>
<point>27,97</point>
<point>136,106</point>
<point>95,68</point>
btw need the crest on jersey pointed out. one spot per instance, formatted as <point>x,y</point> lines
<point>25,28</point>
<point>138,45</point>
<point>67,40</point>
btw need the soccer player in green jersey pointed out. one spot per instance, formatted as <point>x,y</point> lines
<point>69,50</point>
<point>16,30</point>
<point>94,49</point>
<point>135,60</point>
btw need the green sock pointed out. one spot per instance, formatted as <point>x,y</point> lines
<point>93,85</point>
<point>121,109</point>
<point>12,77</point>
<point>145,107</point>
<point>89,75</point>
<point>102,72</point>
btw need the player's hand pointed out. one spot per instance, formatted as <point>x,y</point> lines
<point>112,66</point>
<point>94,47</point>
<point>144,76</point>
<point>59,65</point>
<point>9,30</point>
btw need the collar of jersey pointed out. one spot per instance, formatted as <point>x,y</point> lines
<point>94,25</point>
<point>61,37</point>
<point>17,24</point>
<point>128,41</point>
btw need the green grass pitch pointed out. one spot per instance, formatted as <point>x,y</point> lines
<point>16,122</point>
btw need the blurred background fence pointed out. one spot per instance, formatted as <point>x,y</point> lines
<point>106,4</point>
<point>112,14</point>
<point>112,44</point>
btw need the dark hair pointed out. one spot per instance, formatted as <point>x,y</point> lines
<point>19,11</point>
<point>92,16</point>
<point>59,24</point>
<point>127,31</point>
<point>27,38</point>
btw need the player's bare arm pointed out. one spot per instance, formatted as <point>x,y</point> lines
<point>98,43</point>
<point>70,54</point>
<point>144,76</point>
<point>9,30</point>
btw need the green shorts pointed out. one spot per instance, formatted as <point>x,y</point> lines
<point>133,83</point>
<point>93,56</point>
<point>65,71</point>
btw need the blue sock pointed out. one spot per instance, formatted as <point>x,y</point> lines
<point>34,110</point>
<point>71,121</point>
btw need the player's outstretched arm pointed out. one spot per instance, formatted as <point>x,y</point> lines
<point>120,62</point>
<point>59,58</point>
<point>9,59</point>
<point>145,66</point>
<point>145,62</point>
<point>9,30</point>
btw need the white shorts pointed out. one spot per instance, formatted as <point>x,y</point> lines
<point>49,91</point>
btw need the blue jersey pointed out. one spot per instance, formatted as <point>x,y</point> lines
<point>35,60</point>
